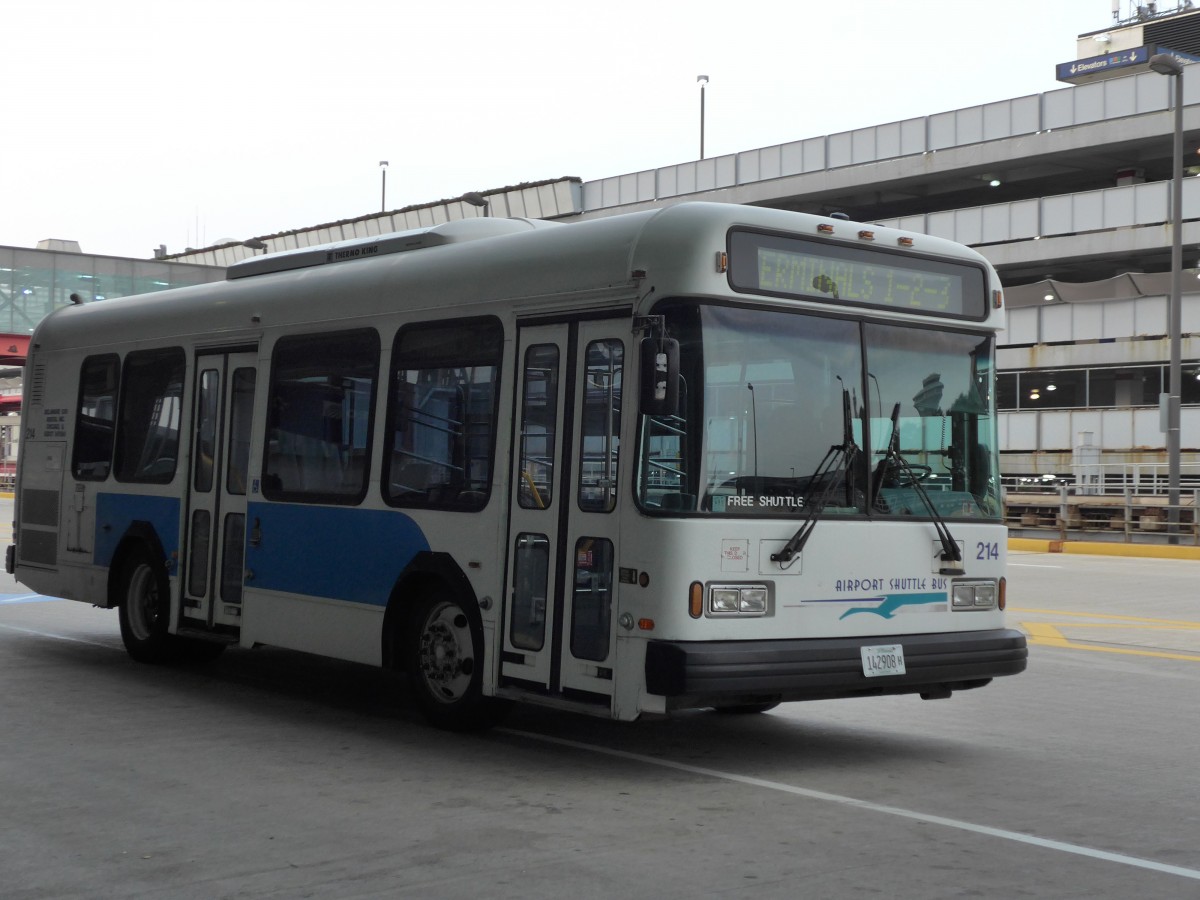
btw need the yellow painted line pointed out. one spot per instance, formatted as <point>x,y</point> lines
<point>1178,623</point>
<point>1123,651</point>
<point>1046,635</point>
<point>1127,625</point>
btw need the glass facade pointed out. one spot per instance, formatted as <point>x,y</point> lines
<point>1099,387</point>
<point>33,283</point>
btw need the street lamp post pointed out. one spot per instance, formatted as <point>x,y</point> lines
<point>477,200</point>
<point>383,196</point>
<point>1166,64</point>
<point>703,80</point>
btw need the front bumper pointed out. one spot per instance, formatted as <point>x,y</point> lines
<point>729,673</point>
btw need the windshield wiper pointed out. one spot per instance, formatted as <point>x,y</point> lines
<point>893,462</point>
<point>841,458</point>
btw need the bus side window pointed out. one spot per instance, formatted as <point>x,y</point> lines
<point>601,426</point>
<point>95,418</point>
<point>441,436</point>
<point>239,430</point>
<point>539,416</point>
<point>149,417</point>
<point>319,418</point>
<point>208,407</point>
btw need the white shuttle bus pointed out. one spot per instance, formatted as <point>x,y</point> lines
<point>703,456</point>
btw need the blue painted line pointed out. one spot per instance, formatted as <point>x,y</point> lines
<point>24,598</point>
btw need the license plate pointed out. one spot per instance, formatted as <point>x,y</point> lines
<point>885,659</point>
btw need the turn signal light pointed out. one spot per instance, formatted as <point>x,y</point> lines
<point>696,600</point>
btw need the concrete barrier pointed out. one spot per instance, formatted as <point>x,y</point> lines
<point>1102,548</point>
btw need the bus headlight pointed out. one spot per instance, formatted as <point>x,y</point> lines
<point>723,600</point>
<point>969,595</point>
<point>739,600</point>
<point>752,600</point>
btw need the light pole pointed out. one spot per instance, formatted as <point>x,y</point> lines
<point>255,244</point>
<point>703,80</point>
<point>477,199</point>
<point>1165,64</point>
<point>383,196</point>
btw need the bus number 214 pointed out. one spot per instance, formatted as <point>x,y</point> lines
<point>987,550</point>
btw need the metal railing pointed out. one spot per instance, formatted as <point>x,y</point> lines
<point>1116,513</point>
<point>1108,478</point>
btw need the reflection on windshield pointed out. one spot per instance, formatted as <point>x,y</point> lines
<point>941,382</point>
<point>768,394</point>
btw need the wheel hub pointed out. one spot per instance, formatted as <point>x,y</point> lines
<point>444,654</point>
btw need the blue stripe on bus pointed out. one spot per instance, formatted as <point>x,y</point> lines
<point>891,603</point>
<point>116,512</point>
<point>332,552</point>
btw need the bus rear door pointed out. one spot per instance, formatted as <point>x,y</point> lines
<point>216,526</point>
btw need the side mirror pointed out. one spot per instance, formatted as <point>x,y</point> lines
<point>660,377</point>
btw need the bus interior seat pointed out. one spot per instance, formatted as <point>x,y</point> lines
<point>408,477</point>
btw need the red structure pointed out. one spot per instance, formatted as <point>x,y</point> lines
<point>13,350</point>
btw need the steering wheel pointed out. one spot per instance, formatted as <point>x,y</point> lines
<point>894,474</point>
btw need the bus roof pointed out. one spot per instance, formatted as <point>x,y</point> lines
<point>544,266</point>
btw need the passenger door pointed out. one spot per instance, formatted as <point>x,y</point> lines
<point>559,622</point>
<point>213,571</point>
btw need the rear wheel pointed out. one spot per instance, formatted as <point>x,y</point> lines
<point>144,594</point>
<point>444,659</point>
<point>145,597</point>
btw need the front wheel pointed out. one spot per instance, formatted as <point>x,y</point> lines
<point>444,657</point>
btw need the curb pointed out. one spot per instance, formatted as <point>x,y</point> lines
<point>1100,548</point>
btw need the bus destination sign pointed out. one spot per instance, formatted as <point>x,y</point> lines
<point>837,273</point>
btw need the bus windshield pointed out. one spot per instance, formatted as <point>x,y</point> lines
<point>780,410</point>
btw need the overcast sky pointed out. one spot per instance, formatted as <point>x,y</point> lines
<point>129,124</point>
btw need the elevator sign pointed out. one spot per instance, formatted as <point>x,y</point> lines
<point>1080,69</point>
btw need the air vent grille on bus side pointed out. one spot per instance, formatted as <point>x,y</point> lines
<point>36,389</point>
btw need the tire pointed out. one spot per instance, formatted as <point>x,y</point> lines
<point>145,607</point>
<point>747,709</point>
<point>444,659</point>
<point>144,598</point>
